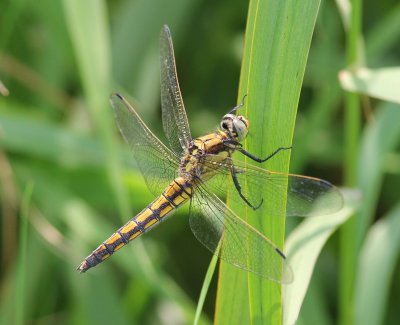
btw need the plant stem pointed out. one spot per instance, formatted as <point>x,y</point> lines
<point>349,242</point>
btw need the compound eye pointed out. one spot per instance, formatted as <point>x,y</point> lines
<point>224,126</point>
<point>243,120</point>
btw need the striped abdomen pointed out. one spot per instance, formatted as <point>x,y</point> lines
<point>177,193</point>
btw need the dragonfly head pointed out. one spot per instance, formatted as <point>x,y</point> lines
<point>235,125</point>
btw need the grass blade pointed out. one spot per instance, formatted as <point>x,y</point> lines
<point>278,37</point>
<point>88,28</point>
<point>379,138</point>
<point>378,260</point>
<point>378,83</point>
<point>204,288</point>
<point>22,274</point>
<point>303,247</point>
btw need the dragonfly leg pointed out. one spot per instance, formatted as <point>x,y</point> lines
<point>260,160</point>
<point>239,189</point>
<point>233,110</point>
<point>232,144</point>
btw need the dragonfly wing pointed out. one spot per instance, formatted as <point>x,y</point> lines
<point>306,196</point>
<point>230,238</point>
<point>156,162</point>
<point>175,122</point>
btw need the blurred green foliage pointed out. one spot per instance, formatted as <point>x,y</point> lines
<point>67,181</point>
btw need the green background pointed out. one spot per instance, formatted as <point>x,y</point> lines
<point>68,181</point>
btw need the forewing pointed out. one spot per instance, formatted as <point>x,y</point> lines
<point>175,122</point>
<point>156,162</point>
<point>306,196</point>
<point>230,238</point>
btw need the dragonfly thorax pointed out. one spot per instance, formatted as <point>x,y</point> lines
<point>235,125</point>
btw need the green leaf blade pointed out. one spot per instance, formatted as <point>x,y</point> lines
<point>378,260</point>
<point>278,37</point>
<point>303,247</point>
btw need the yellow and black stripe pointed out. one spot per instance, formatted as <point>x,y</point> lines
<point>177,193</point>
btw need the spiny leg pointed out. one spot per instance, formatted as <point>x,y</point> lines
<point>260,160</point>
<point>239,189</point>
<point>229,143</point>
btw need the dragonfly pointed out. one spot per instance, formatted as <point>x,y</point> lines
<point>201,171</point>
